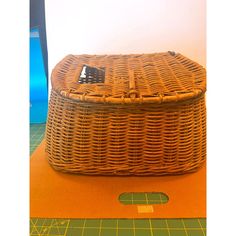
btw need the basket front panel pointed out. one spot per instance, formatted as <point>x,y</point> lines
<point>121,139</point>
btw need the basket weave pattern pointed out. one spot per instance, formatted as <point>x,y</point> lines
<point>148,117</point>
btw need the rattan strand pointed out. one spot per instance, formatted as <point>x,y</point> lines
<point>147,118</point>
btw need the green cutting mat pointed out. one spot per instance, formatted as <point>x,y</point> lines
<point>113,227</point>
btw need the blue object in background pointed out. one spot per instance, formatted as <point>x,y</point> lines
<point>38,81</point>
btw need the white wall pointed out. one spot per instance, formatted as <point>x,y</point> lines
<point>125,26</point>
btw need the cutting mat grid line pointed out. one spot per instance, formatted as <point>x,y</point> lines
<point>111,227</point>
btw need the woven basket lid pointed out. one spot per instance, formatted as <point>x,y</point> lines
<point>135,78</point>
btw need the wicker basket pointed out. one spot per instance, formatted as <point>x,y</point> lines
<point>138,114</point>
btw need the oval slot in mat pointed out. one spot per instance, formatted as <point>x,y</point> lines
<point>143,198</point>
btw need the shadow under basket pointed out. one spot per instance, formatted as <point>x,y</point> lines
<point>138,114</point>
